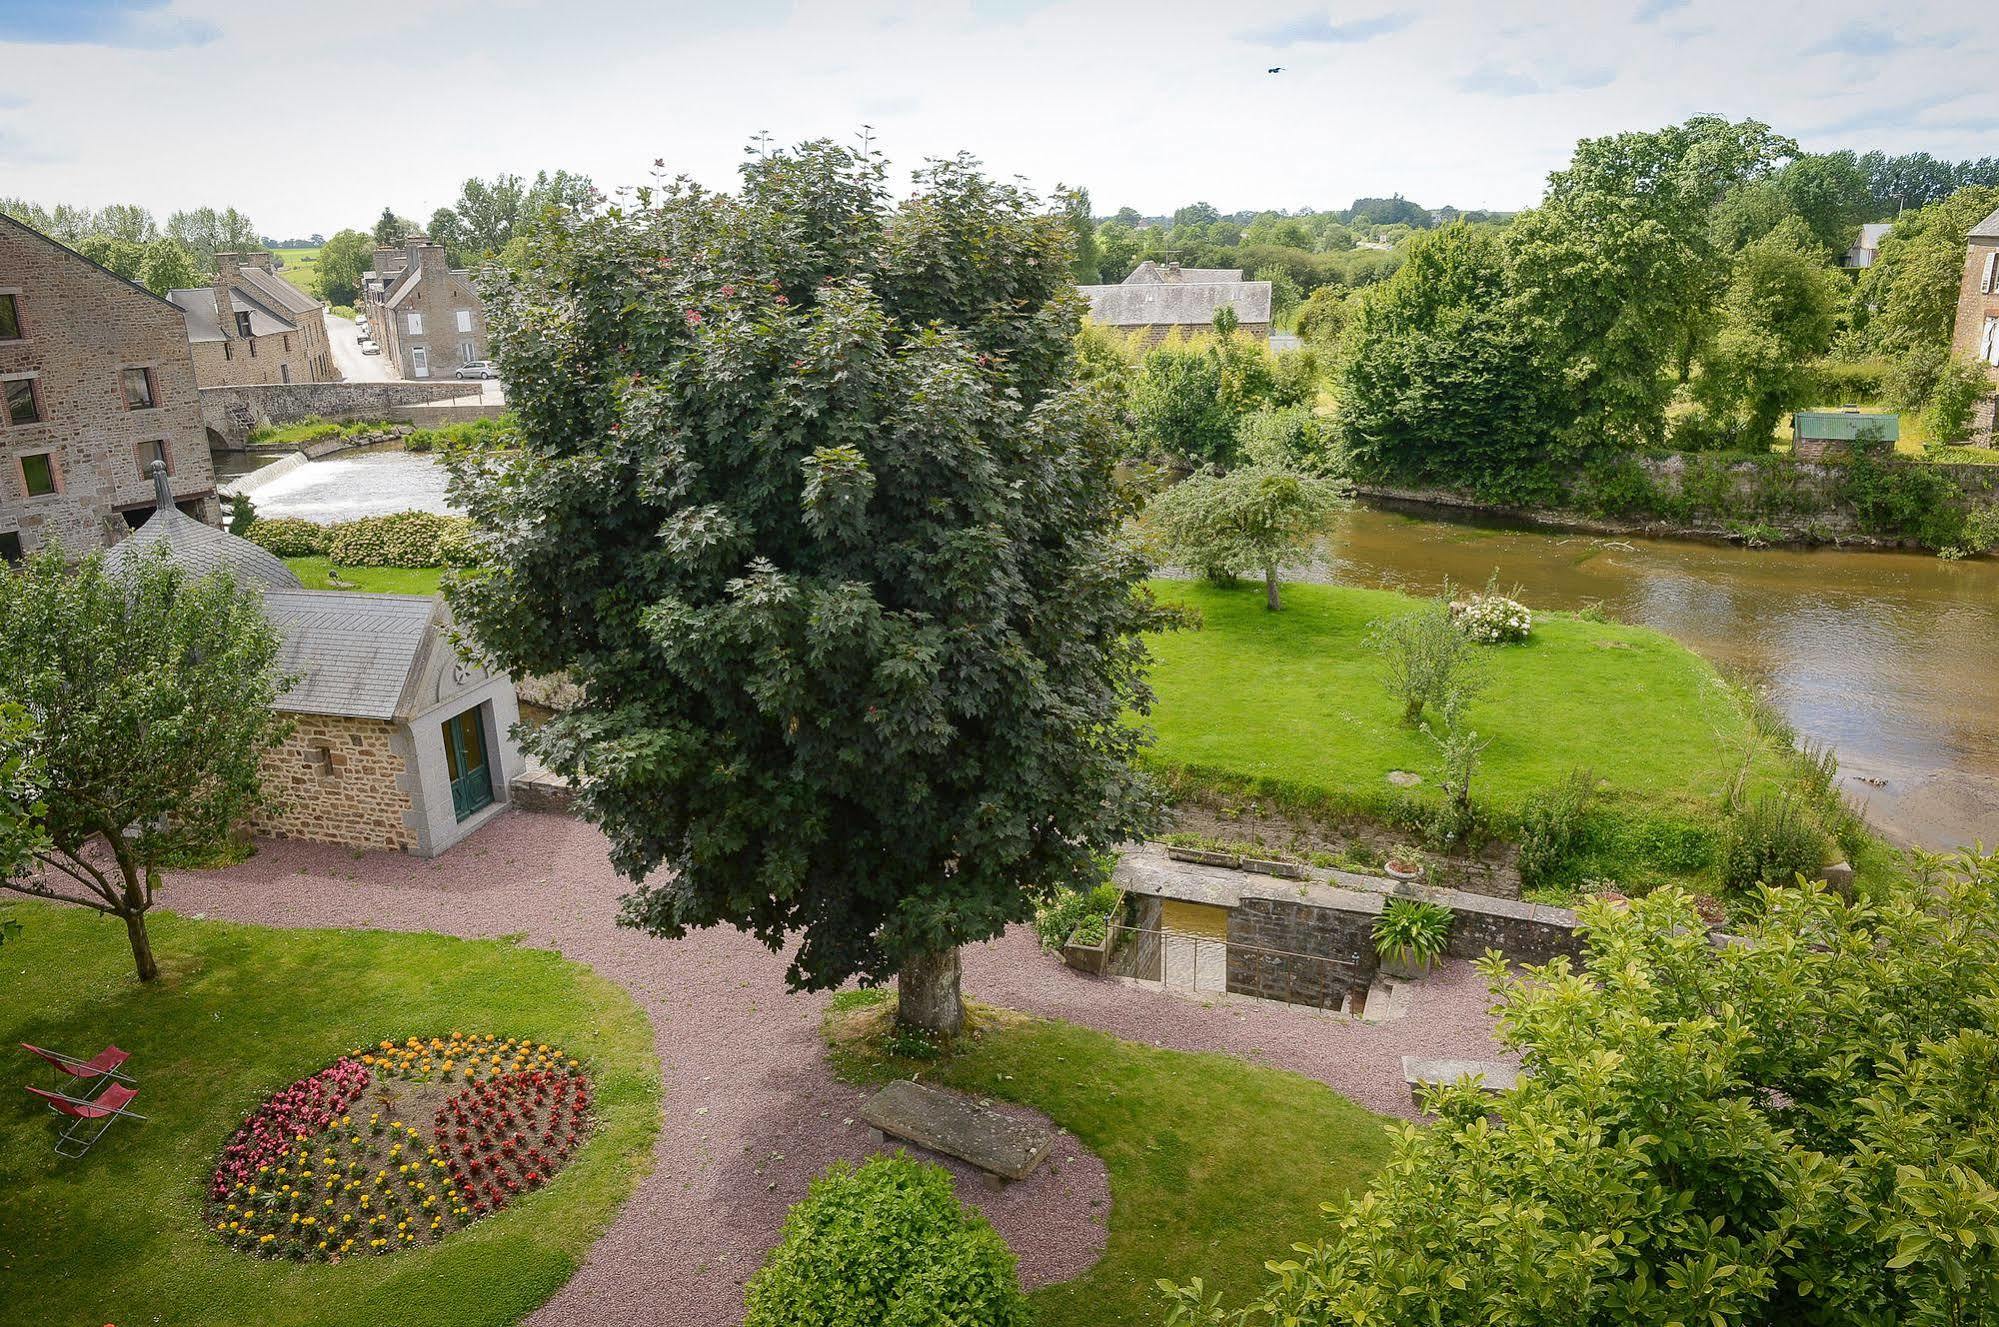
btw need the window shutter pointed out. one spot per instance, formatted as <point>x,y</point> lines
<point>1991,272</point>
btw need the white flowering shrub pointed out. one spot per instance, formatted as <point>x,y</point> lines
<point>1492,619</point>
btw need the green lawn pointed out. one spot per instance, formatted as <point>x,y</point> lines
<point>301,268</point>
<point>315,573</point>
<point>1294,701</point>
<point>1215,1164</point>
<point>238,1012</point>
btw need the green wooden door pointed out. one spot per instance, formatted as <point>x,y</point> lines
<point>465,760</point>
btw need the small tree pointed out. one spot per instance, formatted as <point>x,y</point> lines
<point>21,836</point>
<point>1954,399</point>
<point>1426,661</point>
<point>152,697</point>
<point>1253,518</point>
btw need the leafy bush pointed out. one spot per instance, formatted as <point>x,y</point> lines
<point>886,1245</point>
<point>1903,499</point>
<point>1852,380</point>
<point>1773,840</point>
<point>1426,660</point>
<point>1552,827</point>
<point>1084,914</point>
<point>404,539</point>
<point>242,514</point>
<point>1958,390</point>
<point>288,536</point>
<point>1492,619</point>
<point>1412,931</point>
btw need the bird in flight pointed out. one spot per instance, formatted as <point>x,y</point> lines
<point>1274,69</point>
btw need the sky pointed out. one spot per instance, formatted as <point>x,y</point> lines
<point>311,117</point>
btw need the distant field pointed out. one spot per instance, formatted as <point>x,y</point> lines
<point>301,268</point>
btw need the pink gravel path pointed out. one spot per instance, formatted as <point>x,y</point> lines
<point>751,1112</point>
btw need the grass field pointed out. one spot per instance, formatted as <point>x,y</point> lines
<point>301,268</point>
<point>315,573</point>
<point>1215,1163</point>
<point>1913,440</point>
<point>238,1012</point>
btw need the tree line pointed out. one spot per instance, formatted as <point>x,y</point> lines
<point>126,238</point>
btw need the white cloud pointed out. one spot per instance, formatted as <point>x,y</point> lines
<point>310,118</point>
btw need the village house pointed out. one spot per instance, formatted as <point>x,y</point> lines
<point>397,741</point>
<point>1977,330</point>
<point>426,315</point>
<point>96,383</point>
<point>250,326</point>
<point>1156,300</point>
<point>1866,246</point>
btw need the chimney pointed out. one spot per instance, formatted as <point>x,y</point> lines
<point>423,254</point>
<point>388,259</point>
<point>225,307</point>
<point>1172,271</point>
<point>227,265</point>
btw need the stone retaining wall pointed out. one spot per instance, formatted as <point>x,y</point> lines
<point>231,412</point>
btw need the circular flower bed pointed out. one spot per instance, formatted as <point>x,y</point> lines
<point>397,1146</point>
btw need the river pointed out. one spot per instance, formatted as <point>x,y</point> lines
<point>1889,657</point>
<point>1892,658</point>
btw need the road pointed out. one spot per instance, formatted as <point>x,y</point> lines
<point>347,357</point>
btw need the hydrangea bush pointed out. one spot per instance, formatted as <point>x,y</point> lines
<point>1492,619</point>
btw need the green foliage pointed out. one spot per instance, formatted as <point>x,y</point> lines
<point>1852,381</point>
<point>289,536</point>
<point>1771,841</point>
<point>1776,318</point>
<point>810,505</point>
<point>22,837</point>
<point>205,232</point>
<point>242,514</point>
<point>1897,498</point>
<point>152,695</point>
<point>1792,1130</point>
<point>1552,828</point>
<point>1082,913</point>
<point>1253,518</point>
<point>1412,931</point>
<point>342,260</point>
<point>1291,438</point>
<point>1190,397</point>
<point>1426,662</point>
<point>400,539</point>
<point>886,1243</point>
<point>1912,286</point>
<point>1954,399</point>
<point>1324,315</point>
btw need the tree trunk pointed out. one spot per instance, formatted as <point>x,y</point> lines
<point>1270,589</point>
<point>926,994</point>
<point>142,946</point>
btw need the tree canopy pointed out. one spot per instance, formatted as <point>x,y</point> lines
<point>810,504</point>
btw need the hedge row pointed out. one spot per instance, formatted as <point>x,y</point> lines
<point>404,539</point>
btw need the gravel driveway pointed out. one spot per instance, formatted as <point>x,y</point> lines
<point>751,1111</point>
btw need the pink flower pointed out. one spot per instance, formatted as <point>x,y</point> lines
<point>694,318</point>
<point>783,299</point>
<point>728,292</point>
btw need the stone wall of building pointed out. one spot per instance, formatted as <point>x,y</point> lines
<point>441,300</point>
<point>82,328</point>
<point>1977,300</point>
<point>338,780</point>
<point>229,413</point>
<point>247,361</point>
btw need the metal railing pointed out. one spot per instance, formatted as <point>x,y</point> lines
<point>1183,961</point>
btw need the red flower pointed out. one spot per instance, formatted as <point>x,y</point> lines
<point>693,317</point>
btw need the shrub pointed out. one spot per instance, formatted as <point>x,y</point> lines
<point>1412,932</point>
<point>1490,618</point>
<point>404,539</point>
<point>1552,827</point>
<point>1425,660</point>
<point>288,536</point>
<point>887,1243</point>
<point>242,514</point>
<point>1082,913</point>
<point>1852,380</point>
<point>1773,840</point>
<point>1959,388</point>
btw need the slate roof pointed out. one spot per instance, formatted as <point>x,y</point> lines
<point>199,548</point>
<point>279,292</point>
<point>1987,229</point>
<point>1149,271</point>
<point>1177,303</point>
<point>204,324</point>
<point>354,654</point>
<point>1871,233</point>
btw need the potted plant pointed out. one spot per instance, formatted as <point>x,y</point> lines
<point>1410,935</point>
<point>1404,863</point>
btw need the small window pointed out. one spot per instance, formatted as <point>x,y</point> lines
<point>228,352</point>
<point>24,403</point>
<point>419,362</point>
<point>242,323</point>
<point>465,320</point>
<point>467,353</point>
<point>1991,274</point>
<point>38,474</point>
<point>288,343</point>
<point>10,547</point>
<point>138,389</point>
<point>10,317</point>
<point>414,322</point>
<point>1989,351</point>
<point>148,452</point>
<point>284,373</point>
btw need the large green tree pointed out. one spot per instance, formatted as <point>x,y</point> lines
<point>1616,270</point>
<point>1910,293</point>
<point>1792,1130</point>
<point>151,694</point>
<point>342,260</point>
<point>1776,318</point>
<point>205,232</point>
<point>810,504</point>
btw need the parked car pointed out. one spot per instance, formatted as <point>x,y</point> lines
<point>361,335</point>
<point>478,368</point>
<point>370,348</point>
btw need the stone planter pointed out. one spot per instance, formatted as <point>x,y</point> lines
<point>1093,959</point>
<point>1202,857</point>
<point>1407,872</point>
<point>1286,870</point>
<point>1404,965</point>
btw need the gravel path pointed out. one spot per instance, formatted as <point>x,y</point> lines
<point>751,1110</point>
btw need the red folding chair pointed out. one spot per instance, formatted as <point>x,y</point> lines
<point>103,1112</point>
<point>104,1064</point>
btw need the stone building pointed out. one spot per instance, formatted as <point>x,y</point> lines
<point>397,741</point>
<point>426,315</point>
<point>1977,332</point>
<point>96,383</point>
<point>250,326</point>
<point>1155,301</point>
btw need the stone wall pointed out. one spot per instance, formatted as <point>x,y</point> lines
<point>1275,948</point>
<point>81,329</point>
<point>338,780</point>
<point>440,299</point>
<point>229,413</point>
<point>1977,300</point>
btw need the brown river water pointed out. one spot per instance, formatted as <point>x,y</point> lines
<point>1892,658</point>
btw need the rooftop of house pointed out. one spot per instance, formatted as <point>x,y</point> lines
<point>1871,233</point>
<point>197,547</point>
<point>204,323</point>
<point>1987,229</point>
<point>1177,303</point>
<point>1847,425</point>
<point>1149,272</point>
<point>279,292</point>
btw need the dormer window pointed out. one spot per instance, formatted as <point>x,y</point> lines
<point>242,324</point>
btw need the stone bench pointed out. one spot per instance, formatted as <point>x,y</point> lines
<point>954,1125</point>
<point>1495,1076</point>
